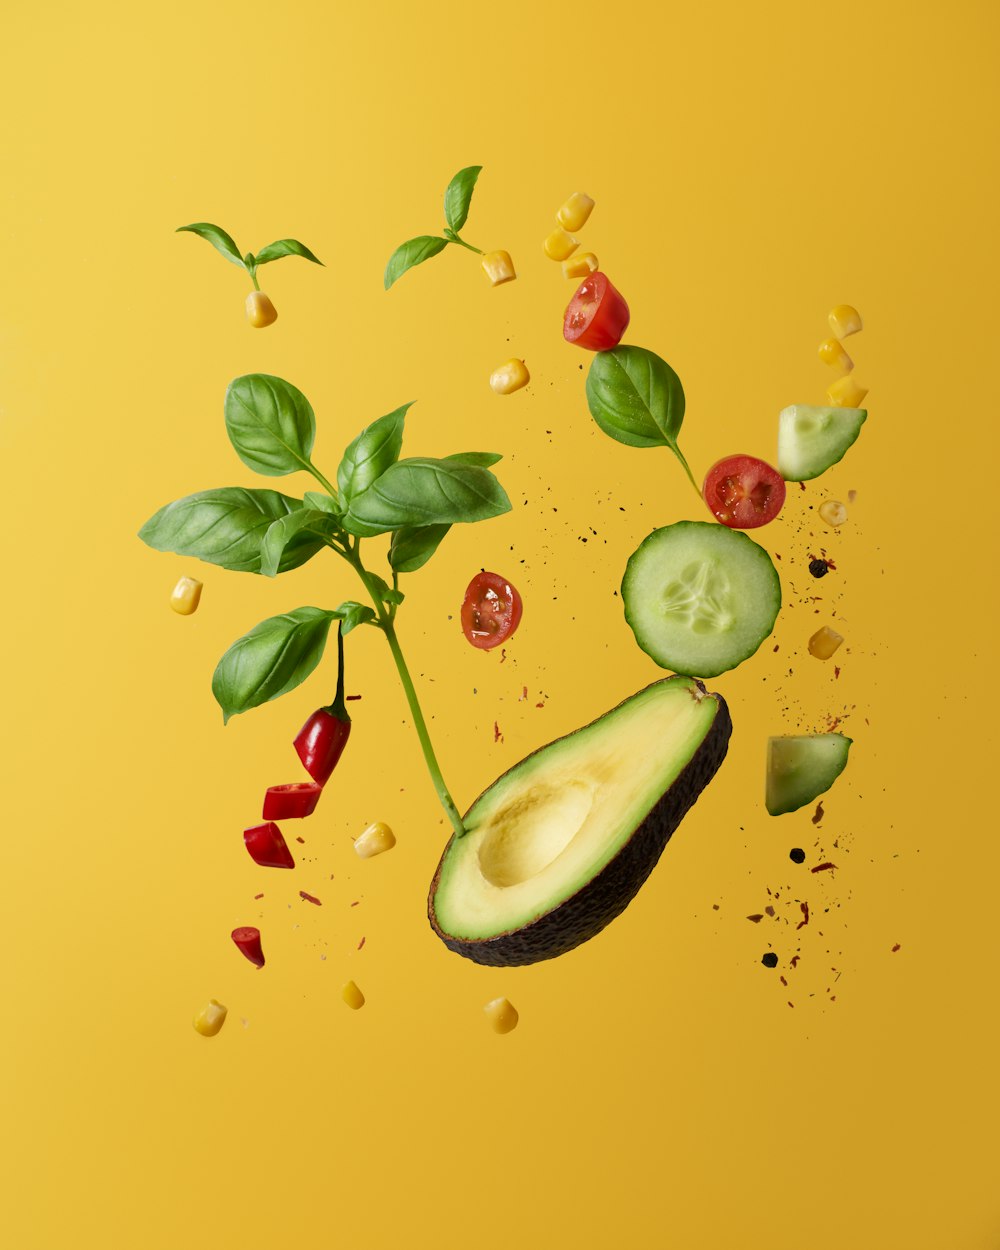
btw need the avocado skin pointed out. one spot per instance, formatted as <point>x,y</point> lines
<point>605,896</point>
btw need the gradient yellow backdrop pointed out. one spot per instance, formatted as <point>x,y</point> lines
<point>752,165</point>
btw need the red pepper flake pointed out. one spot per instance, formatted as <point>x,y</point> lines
<point>310,898</point>
<point>355,903</point>
<point>524,694</point>
<point>804,908</point>
<point>769,911</point>
<point>836,670</point>
<point>895,948</point>
<point>352,698</point>
<point>302,840</point>
<point>822,867</point>
<point>361,943</point>
<point>782,980</point>
<point>258,896</point>
<point>503,654</point>
<point>756,918</point>
<point>791,1004</point>
<point>539,705</point>
<point>802,485</point>
<point>794,960</point>
<point>818,813</point>
<point>497,735</point>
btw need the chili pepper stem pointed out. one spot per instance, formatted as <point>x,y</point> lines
<point>338,707</point>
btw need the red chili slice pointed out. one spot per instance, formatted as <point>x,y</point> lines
<point>267,847</point>
<point>292,801</point>
<point>248,941</point>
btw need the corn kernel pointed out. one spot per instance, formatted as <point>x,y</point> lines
<point>846,393</point>
<point>499,267</point>
<point>833,512</point>
<point>580,266</point>
<point>574,213</point>
<point>559,245</point>
<point>186,595</point>
<point>502,1014</point>
<point>824,643</point>
<point>831,352</point>
<point>510,377</point>
<point>260,311</point>
<point>352,996</point>
<point>375,839</point>
<point>845,320</point>
<point>211,1018</point>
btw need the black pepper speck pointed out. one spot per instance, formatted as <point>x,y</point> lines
<point>770,960</point>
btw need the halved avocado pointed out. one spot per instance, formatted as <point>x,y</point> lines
<point>560,844</point>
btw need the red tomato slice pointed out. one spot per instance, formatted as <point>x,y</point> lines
<point>743,492</point>
<point>597,316</point>
<point>491,610</point>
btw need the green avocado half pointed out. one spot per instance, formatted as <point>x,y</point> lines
<point>560,844</point>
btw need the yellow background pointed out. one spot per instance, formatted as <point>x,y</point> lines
<point>752,165</point>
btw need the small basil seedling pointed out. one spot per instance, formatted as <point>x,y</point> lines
<point>260,311</point>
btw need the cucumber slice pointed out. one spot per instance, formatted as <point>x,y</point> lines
<point>700,597</point>
<point>811,439</point>
<point>800,769</point>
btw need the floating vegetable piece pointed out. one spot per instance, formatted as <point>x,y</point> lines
<point>186,595</point>
<point>211,1018</point>
<point>292,801</point>
<point>811,439</point>
<point>833,512</point>
<point>743,492</point>
<point>800,769</point>
<point>247,939</point>
<point>457,198</point>
<point>491,610</point>
<point>575,212</point>
<point>832,352</point>
<point>376,840</point>
<point>352,996</point>
<point>499,267</point>
<point>510,377</point>
<point>580,265</point>
<point>502,1015</point>
<point>320,742</point>
<point>260,311</point>
<point>846,392</point>
<point>845,320</point>
<point>824,643</point>
<point>267,847</point>
<point>559,245</point>
<point>597,315</point>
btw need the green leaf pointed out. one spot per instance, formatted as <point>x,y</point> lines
<point>352,614</point>
<point>273,658</point>
<point>422,491</point>
<point>412,252</point>
<point>385,591</point>
<point>370,454</point>
<point>323,503</point>
<point>218,238</point>
<point>484,459</point>
<point>413,545</point>
<point>270,423</point>
<point>458,196</point>
<point>285,247</point>
<point>635,397</point>
<point>309,521</point>
<point>227,527</point>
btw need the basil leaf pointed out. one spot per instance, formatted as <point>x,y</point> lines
<point>270,423</point>
<point>218,238</point>
<point>412,252</point>
<point>635,397</point>
<point>370,454</point>
<point>285,247</point>
<point>310,521</point>
<point>484,459</point>
<point>322,503</point>
<point>275,657</point>
<point>385,591</point>
<point>458,196</point>
<point>352,614</point>
<point>422,491</point>
<point>226,527</point>
<point>413,545</point>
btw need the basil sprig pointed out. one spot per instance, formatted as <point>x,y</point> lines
<point>457,199</point>
<point>226,245</point>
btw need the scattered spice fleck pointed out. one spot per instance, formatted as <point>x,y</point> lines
<point>818,813</point>
<point>310,898</point>
<point>770,960</point>
<point>352,698</point>
<point>539,705</point>
<point>497,735</point>
<point>769,911</point>
<point>302,840</point>
<point>258,896</point>
<point>819,568</point>
<point>797,855</point>
<point>361,944</point>
<point>794,960</point>
<point>822,867</point>
<point>836,670</point>
<point>757,917</point>
<point>804,908</point>
<point>895,948</point>
<point>503,651</point>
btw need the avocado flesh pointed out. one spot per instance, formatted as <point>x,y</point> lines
<point>560,844</point>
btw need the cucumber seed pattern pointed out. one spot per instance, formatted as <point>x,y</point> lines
<point>700,598</point>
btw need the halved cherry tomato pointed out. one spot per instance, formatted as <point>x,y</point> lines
<point>597,316</point>
<point>491,610</point>
<point>743,492</point>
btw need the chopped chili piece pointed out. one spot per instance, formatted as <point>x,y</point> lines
<point>291,801</point>
<point>247,940</point>
<point>267,847</point>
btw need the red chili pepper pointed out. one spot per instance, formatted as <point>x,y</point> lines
<point>248,940</point>
<point>267,847</point>
<point>291,801</point>
<point>321,740</point>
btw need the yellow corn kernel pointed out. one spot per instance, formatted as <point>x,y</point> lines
<point>499,267</point>
<point>260,311</point>
<point>559,245</point>
<point>824,643</point>
<point>574,213</point>
<point>510,377</point>
<point>211,1018</point>
<point>375,839</point>
<point>579,266</point>
<point>352,996</point>
<point>846,393</point>
<point>186,595</point>
<point>831,352</point>
<point>833,512</point>
<point>845,320</point>
<point>502,1014</point>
